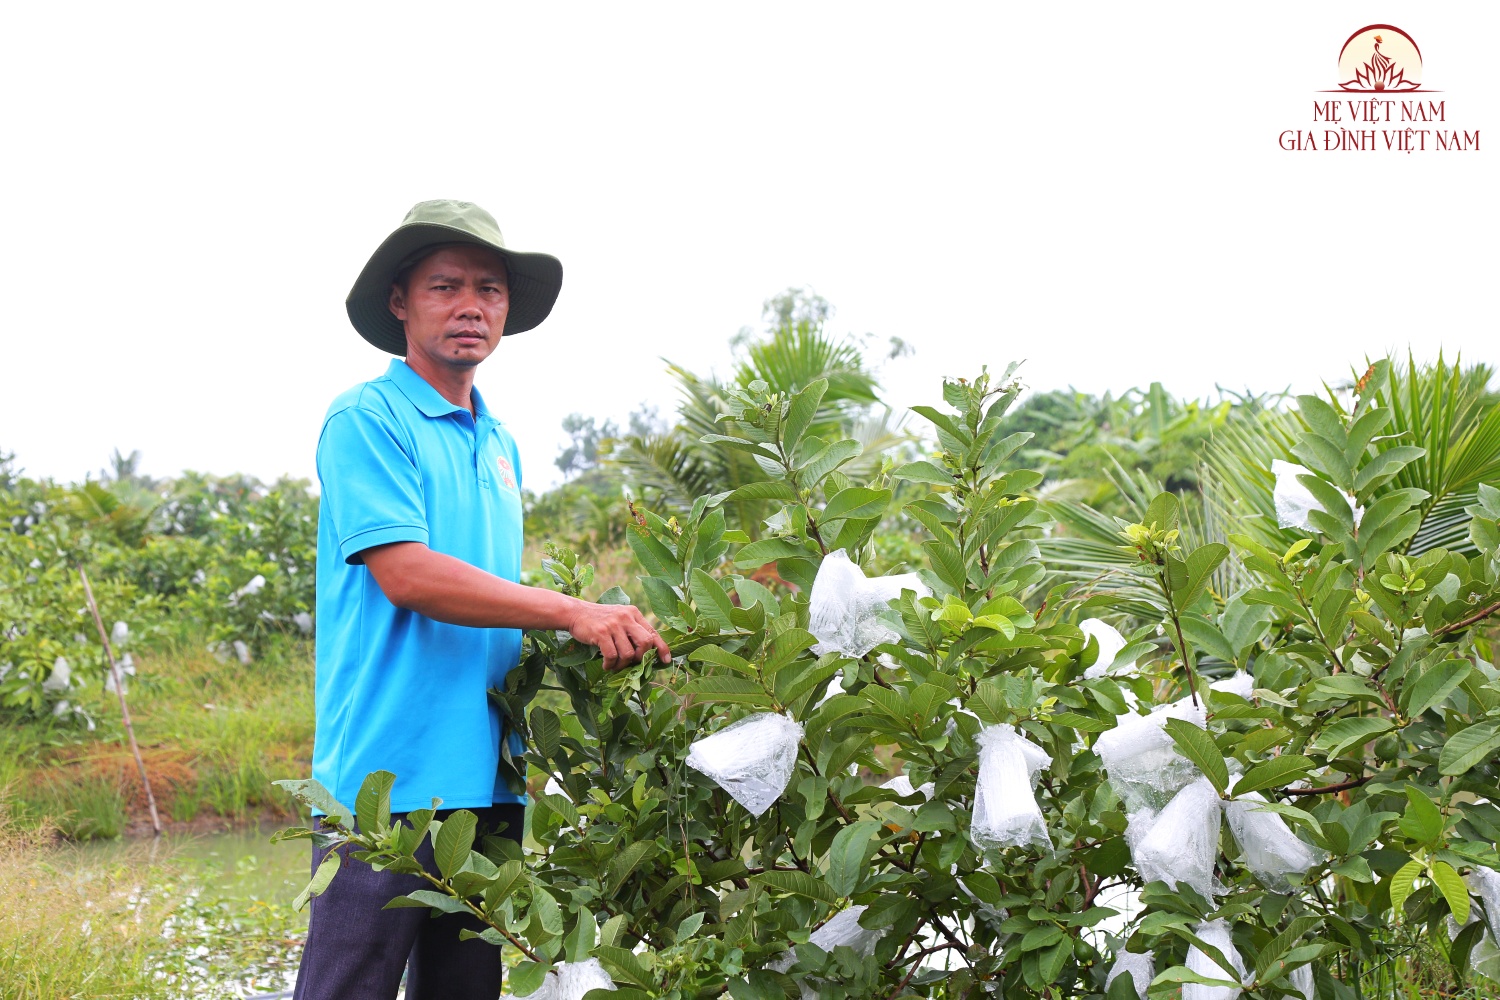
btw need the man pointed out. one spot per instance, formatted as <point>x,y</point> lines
<point>419,608</point>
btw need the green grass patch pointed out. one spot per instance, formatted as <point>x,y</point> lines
<point>213,735</point>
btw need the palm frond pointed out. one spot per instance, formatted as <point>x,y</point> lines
<point>1449,411</point>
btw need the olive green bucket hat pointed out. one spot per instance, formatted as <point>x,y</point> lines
<point>535,278</point>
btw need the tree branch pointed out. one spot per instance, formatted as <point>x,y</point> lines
<point>1342,786</point>
<point>1477,616</point>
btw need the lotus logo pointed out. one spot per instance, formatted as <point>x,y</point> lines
<point>1380,58</point>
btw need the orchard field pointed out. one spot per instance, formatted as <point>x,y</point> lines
<point>1046,694</point>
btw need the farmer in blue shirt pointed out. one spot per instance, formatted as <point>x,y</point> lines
<point>419,608</point>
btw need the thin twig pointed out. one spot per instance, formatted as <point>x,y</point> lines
<point>114,669</point>
<point>1342,786</point>
<point>1482,613</point>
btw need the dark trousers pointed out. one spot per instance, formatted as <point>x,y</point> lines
<point>356,950</point>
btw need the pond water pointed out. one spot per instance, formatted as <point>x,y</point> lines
<point>235,935</point>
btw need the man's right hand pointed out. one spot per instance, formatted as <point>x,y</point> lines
<point>620,631</point>
<point>414,577</point>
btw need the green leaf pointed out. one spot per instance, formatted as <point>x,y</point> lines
<point>720,657</point>
<point>428,899</point>
<point>924,472</point>
<point>946,424</point>
<point>1324,420</point>
<point>1469,747</point>
<point>1422,822</point>
<point>1341,688</point>
<point>798,883</point>
<point>312,794</point>
<point>727,690</point>
<point>800,414</point>
<point>454,841</point>
<point>757,554</point>
<point>1460,951</point>
<point>547,911</point>
<point>527,977</point>
<point>372,806</point>
<point>546,731</point>
<point>1334,502</point>
<point>709,599</point>
<point>1182,974</point>
<point>1323,455</point>
<point>946,562</point>
<point>1207,637</point>
<point>1387,463</point>
<point>322,878</point>
<point>689,925</point>
<point>625,861</point>
<point>1350,732</point>
<point>653,556</point>
<point>835,454</point>
<point>1402,884</point>
<point>1201,564</point>
<point>623,965</point>
<point>1197,746</point>
<point>1453,889</point>
<point>856,502</point>
<point>508,877</point>
<point>1434,686</point>
<point>848,857</point>
<point>772,489</point>
<point>1163,511</point>
<point>580,940</point>
<point>1273,773</point>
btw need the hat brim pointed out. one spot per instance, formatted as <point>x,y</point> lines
<point>534,279</point>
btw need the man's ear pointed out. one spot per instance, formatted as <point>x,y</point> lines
<point>397,303</point>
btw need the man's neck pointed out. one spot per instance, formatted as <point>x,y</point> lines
<point>456,385</point>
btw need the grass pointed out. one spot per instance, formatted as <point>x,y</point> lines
<point>144,921</point>
<point>70,930</point>
<point>213,735</point>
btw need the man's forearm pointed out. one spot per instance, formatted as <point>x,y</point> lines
<point>416,578</point>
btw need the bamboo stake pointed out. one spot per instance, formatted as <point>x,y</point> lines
<point>114,669</point>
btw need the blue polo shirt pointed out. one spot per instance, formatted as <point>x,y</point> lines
<point>397,690</point>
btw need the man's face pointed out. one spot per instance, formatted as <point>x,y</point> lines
<point>454,306</point>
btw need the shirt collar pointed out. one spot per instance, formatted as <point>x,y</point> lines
<point>427,399</point>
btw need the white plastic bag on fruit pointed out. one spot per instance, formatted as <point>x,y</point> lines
<point>1144,768</point>
<point>1139,966</point>
<point>61,677</point>
<point>1110,643</point>
<point>751,759</point>
<point>841,929</point>
<point>1180,844</point>
<point>1295,501</point>
<point>1301,979</point>
<point>1484,957</point>
<point>902,786</point>
<point>845,607</point>
<point>1267,844</point>
<point>571,980</point>
<point>1238,683</point>
<point>1216,933</point>
<point>1005,809</point>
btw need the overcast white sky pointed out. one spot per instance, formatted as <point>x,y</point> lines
<point>1095,188</point>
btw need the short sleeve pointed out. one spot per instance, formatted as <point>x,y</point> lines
<point>371,484</point>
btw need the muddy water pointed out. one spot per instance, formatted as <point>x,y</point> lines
<point>234,933</point>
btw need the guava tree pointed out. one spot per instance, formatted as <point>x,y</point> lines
<point>1338,704</point>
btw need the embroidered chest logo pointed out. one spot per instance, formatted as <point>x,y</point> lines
<point>507,474</point>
